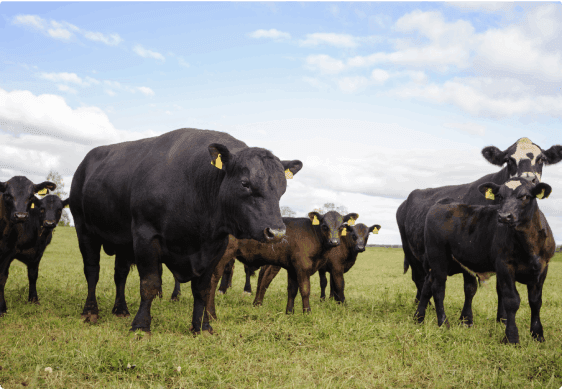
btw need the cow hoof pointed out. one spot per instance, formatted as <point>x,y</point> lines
<point>34,301</point>
<point>2,313</point>
<point>247,293</point>
<point>466,323</point>
<point>120,312</point>
<point>205,332</point>
<point>506,341</point>
<point>501,320</point>
<point>538,337</point>
<point>176,298</point>
<point>90,317</point>
<point>221,291</point>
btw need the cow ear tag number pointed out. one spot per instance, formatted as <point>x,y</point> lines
<point>489,195</point>
<point>315,221</point>
<point>540,196</point>
<point>288,174</point>
<point>217,163</point>
<point>375,230</point>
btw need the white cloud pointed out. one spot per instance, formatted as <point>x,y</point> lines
<point>142,52</point>
<point>110,92</point>
<point>332,39</point>
<point>271,33</point>
<point>325,64</point>
<point>352,84</point>
<point>65,30</point>
<point>380,76</point>
<point>482,6</point>
<point>63,76</point>
<point>66,88</point>
<point>470,128</point>
<point>145,90</point>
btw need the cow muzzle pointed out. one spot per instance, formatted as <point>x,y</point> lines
<point>20,217</point>
<point>334,242</point>
<point>274,236</point>
<point>360,249</point>
<point>49,224</point>
<point>505,218</point>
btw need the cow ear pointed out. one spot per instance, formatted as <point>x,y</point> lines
<point>541,191</point>
<point>493,155</point>
<point>553,155</point>
<point>291,168</point>
<point>219,155</point>
<point>350,218</point>
<point>66,202</point>
<point>374,228</point>
<point>489,189</point>
<point>2,186</point>
<point>315,218</point>
<point>44,185</point>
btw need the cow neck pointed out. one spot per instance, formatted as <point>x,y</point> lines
<point>5,225</point>
<point>529,235</point>
<point>501,177</point>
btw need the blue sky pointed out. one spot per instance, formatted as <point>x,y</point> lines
<point>377,99</point>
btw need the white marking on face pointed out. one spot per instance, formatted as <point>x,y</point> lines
<point>513,184</point>
<point>523,147</point>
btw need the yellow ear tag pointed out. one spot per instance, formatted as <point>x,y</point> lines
<point>288,174</point>
<point>488,194</point>
<point>217,163</point>
<point>540,196</point>
<point>42,192</point>
<point>32,206</point>
<point>344,232</point>
<point>375,230</point>
<point>350,222</point>
<point>315,221</point>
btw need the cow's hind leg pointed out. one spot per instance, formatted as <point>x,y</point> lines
<point>267,274</point>
<point>501,312</point>
<point>124,258</point>
<point>292,287</point>
<point>534,297</point>
<point>90,249</point>
<point>248,286</point>
<point>425,296</point>
<point>176,291</point>
<point>33,272</point>
<point>226,280</point>
<point>323,282</point>
<point>470,286</point>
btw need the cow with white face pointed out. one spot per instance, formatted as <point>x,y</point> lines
<point>523,159</point>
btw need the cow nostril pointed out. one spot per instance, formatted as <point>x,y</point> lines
<point>274,235</point>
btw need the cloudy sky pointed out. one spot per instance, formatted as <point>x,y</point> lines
<point>376,99</point>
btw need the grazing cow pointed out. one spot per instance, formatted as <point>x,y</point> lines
<point>512,239</point>
<point>342,258</point>
<point>304,253</point>
<point>17,227</point>
<point>523,159</point>
<point>173,199</point>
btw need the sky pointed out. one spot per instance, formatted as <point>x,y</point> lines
<point>376,99</point>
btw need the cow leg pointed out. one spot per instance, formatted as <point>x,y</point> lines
<point>226,281</point>
<point>501,312</point>
<point>323,282</point>
<point>147,249</point>
<point>90,250</point>
<point>534,297</point>
<point>292,287</point>
<point>511,301</point>
<point>438,289</point>
<point>418,276</point>
<point>247,286</point>
<point>338,283</point>
<point>216,276</point>
<point>176,291</point>
<point>304,288</point>
<point>470,286</point>
<point>124,257</point>
<point>160,291</point>
<point>33,272</point>
<point>267,274</point>
<point>425,296</point>
<point>4,267</point>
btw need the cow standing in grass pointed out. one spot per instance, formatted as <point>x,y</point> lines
<point>22,228</point>
<point>523,159</point>
<point>512,239</point>
<point>173,199</point>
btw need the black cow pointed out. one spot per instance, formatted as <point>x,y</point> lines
<point>512,239</point>
<point>523,159</point>
<point>303,253</point>
<point>173,199</point>
<point>343,258</point>
<point>17,227</point>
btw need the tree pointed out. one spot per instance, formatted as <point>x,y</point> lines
<point>331,207</point>
<point>287,211</point>
<point>55,177</point>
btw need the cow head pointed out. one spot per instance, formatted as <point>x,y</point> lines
<point>253,181</point>
<point>359,234</point>
<point>50,208</point>
<point>331,225</point>
<point>524,158</point>
<point>517,199</point>
<point>19,195</point>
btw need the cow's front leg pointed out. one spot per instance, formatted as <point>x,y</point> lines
<point>226,280</point>
<point>218,272</point>
<point>338,283</point>
<point>424,298</point>
<point>470,287</point>
<point>304,288</point>
<point>511,301</point>
<point>33,272</point>
<point>248,286</point>
<point>501,312</point>
<point>534,297</point>
<point>267,274</point>
<point>176,291</point>
<point>323,282</point>
<point>292,287</point>
<point>4,267</point>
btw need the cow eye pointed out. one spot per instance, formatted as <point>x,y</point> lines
<point>524,197</point>
<point>42,210</point>
<point>324,227</point>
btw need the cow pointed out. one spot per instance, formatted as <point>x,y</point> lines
<point>338,260</point>
<point>305,253</point>
<point>523,159</point>
<point>511,238</point>
<point>173,199</point>
<point>343,258</point>
<point>18,221</point>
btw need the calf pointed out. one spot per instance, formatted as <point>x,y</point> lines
<point>511,238</point>
<point>16,201</point>
<point>226,280</point>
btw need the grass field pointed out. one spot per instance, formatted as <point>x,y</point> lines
<point>370,343</point>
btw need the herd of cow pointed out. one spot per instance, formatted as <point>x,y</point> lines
<point>195,200</point>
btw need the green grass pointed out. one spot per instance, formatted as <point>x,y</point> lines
<point>372,342</point>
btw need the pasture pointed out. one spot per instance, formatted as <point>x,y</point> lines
<point>372,342</point>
